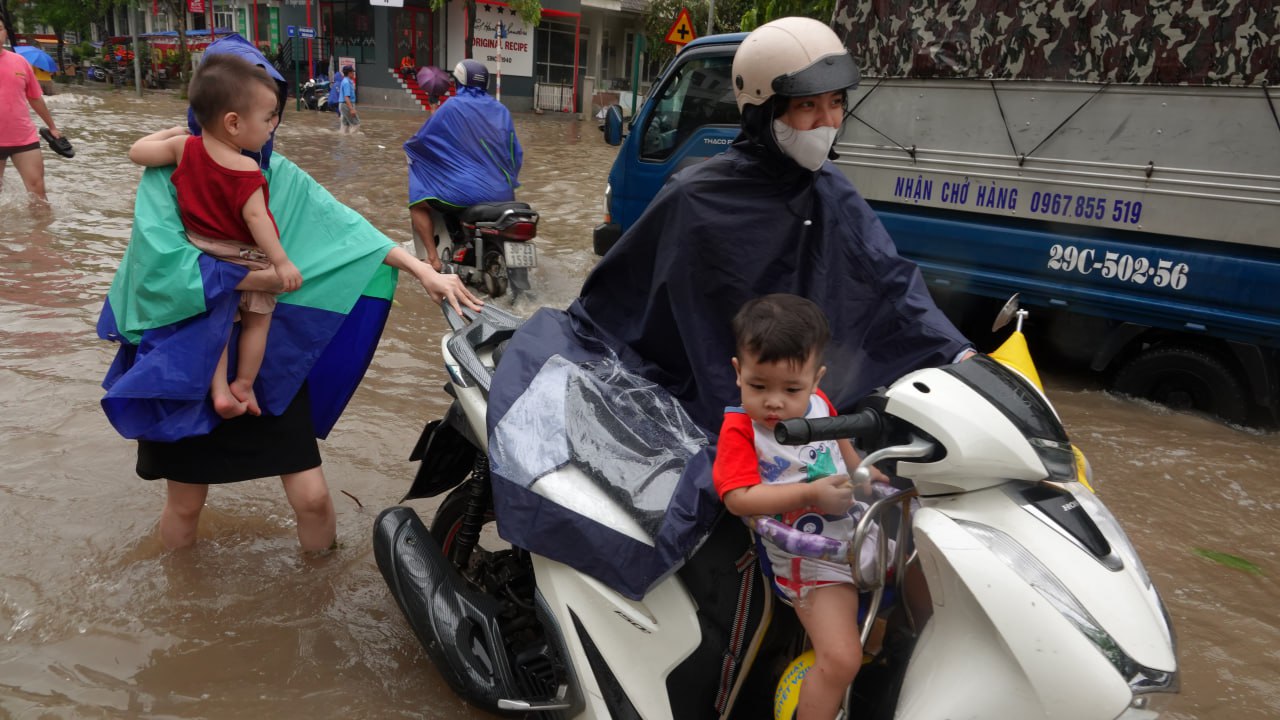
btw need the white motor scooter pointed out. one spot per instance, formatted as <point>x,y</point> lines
<point>1040,607</point>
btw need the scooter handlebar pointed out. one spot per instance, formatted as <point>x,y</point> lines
<point>799,431</point>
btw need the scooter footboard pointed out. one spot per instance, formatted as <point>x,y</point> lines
<point>457,626</point>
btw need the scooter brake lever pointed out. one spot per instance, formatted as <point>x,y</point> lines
<point>917,448</point>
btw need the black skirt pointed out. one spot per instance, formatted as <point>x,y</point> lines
<point>243,448</point>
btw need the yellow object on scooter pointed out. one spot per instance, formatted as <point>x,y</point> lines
<point>1014,354</point>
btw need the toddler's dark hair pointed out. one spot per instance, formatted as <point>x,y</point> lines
<point>781,327</point>
<point>220,86</point>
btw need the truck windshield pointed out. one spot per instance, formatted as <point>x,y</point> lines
<point>699,94</point>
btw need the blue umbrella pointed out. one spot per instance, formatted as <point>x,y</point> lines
<point>38,58</point>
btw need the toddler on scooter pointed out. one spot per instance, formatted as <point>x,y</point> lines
<point>223,201</point>
<point>779,341</point>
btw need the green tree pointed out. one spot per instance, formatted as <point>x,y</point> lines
<point>529,11</point>
<point>662,13</point>
<point>178,9</point>
<point>62,16</point>
<point>760,12</point>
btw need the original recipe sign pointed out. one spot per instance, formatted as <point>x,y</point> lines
<point>516,49</point>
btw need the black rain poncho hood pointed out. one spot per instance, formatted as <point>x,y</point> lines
<point>657,309</point>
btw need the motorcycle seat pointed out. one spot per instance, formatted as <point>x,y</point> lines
<point>489,212</point>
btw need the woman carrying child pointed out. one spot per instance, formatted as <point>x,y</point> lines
<point>172,308</point>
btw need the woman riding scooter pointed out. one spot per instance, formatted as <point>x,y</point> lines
<point>769,215</point>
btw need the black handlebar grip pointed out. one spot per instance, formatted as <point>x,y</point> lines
<point>799,431</point>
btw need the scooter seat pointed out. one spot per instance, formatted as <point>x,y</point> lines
<point>488,212</point>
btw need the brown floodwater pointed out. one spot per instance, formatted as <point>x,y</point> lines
<point>98,621</point>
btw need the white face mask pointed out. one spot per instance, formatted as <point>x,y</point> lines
<point>809,148</point>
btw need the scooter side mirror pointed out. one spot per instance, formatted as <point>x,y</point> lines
<point>1007,313</point>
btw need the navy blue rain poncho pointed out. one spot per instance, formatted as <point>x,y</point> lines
<point>740,225</point>
<point>465,153</point>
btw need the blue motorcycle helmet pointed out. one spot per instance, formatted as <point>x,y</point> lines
<point>237,45</point>
<point>471,73</point>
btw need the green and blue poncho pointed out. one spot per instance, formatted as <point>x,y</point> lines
<point>172,309</point>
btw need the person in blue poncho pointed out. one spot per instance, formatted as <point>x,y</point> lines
<point>465,153</point>
<point>171,308</point>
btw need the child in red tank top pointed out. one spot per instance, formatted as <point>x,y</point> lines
<point>222,199</point>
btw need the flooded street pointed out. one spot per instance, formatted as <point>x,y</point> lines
<point>98,621</point>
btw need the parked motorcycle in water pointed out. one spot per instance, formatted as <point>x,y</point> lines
<point>315,94</point>
<point>489,245</point>
<point>1040,606</point>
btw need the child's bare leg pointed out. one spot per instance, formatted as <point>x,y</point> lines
<point>830,617</point>
<point>224,403</point>
<point>181,514</point>
<point>253,346</point>
<point>308,493</point>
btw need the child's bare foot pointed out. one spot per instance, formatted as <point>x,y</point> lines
<point>226,404</point>
<point>243,391</point>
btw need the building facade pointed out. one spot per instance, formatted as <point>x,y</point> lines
<point>578,49</point>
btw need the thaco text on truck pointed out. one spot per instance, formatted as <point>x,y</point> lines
<point>1118,167</point>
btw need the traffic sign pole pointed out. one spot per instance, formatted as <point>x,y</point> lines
<point>501,33</point>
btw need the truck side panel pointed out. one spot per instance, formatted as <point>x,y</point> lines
<point>1157,281</point>
<point>1178,161</point>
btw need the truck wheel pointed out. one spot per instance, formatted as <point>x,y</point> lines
<point>1184,378</point>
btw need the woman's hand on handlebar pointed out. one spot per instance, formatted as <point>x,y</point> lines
<point>449,288</point>
<point>440,287</point>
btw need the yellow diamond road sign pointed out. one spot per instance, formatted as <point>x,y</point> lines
<point>681,30</point>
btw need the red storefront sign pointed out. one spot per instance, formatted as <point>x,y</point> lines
<point>195,6</point>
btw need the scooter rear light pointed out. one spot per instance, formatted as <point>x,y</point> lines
<point>520,231</point>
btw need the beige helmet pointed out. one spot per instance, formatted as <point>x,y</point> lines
<point>793,57</point>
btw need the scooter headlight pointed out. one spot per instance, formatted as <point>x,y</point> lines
<point>1141,679</point>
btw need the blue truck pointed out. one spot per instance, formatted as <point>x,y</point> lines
<point>1118,168</point>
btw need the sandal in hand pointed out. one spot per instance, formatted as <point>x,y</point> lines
<point>60,145</point>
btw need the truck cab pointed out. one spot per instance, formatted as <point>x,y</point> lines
<point>689,116</point>
<point>1127,187</point>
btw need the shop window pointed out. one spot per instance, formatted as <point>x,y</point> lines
<point>223,20</point>
<point>553,58</point>
<point>351,26</point>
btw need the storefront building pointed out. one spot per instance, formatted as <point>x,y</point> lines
<point>577,49</point>
<point>578,57</point>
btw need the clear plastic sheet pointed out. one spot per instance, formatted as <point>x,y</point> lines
<point>626,434</point>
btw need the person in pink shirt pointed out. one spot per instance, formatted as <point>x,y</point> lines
<point>19,140</point>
